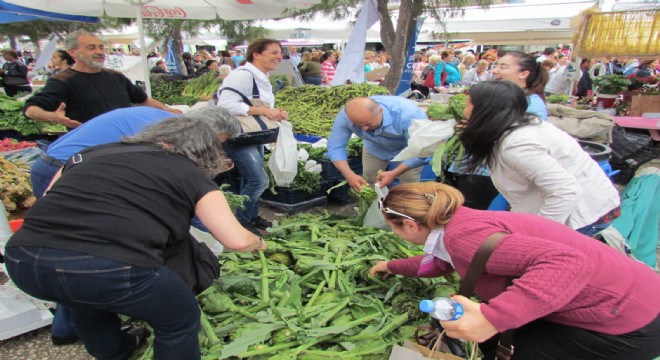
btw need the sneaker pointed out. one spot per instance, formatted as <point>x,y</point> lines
<point>261,223</point>
<point>63,340</point>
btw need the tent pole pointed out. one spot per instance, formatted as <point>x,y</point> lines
<point>143,48</point>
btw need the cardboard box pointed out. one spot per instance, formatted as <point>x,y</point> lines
<point>412,351</point>
<point>644,104</point>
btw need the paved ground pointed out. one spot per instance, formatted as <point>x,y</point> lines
<point>36,345</point>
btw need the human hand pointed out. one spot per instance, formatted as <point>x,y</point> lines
<point>472,326</point>
<point>60,117</point>
<point>275,114</point>
<point>385,178</point>
<point>263,245</point>
<point>380,267</point>
<point>356,182</point>
<point>173,111</point>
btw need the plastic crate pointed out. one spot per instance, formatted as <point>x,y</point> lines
<point>320,201</point>
<point>427,173</point>
<point>307,138</point>
<point>330,172</point>
<point>340,195</point>
<point>627,142</point>
<point>288,196</point>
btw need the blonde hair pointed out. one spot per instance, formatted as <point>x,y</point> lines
<point>368,54</point>
<point>429,203</point>
<point>434,59</point>
<point>468,58</point>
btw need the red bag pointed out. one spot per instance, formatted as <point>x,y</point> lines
<point>429,82</point>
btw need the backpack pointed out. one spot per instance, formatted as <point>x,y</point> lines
<point>429,80</point>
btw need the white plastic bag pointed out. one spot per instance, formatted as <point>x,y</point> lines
<point>424,138</point>
<point>283,162</point>
<point>374,217</point>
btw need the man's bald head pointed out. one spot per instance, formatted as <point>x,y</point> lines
<point>364,113</point>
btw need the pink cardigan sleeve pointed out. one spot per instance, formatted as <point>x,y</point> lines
<point>409,267</point>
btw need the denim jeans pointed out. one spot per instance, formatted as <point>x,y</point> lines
<point>41,174</point>
<point>250,162</point>
<point>97,289</point>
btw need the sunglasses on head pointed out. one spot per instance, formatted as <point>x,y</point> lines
<point>381,207</point>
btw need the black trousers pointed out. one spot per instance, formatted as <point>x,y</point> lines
<point>12,90</point>
<point>546,340</point>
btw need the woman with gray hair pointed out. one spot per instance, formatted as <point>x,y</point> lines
<point>95,241</point>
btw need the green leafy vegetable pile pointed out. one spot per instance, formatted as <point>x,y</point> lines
<point>312,109</point>
<point>305,181</point>
<point>452,149</point>
<point>170,91</point>
<point>12,118</point>
<point>310,296</point>
<point>203,87</point>
<point>439,112</point>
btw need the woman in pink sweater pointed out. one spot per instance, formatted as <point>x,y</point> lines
<point>572,297</point>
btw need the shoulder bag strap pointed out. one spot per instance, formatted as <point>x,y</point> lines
<point>477,267</point>
<point>255,95</point>
<point>79,157</point>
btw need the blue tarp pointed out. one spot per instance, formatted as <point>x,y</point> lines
<point>10,13</point>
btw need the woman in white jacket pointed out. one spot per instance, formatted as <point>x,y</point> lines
<point>537,167</point>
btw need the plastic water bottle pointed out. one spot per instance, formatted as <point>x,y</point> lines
<point>600,106</point>
<point>442,308</point>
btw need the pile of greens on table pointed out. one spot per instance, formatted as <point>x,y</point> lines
<point>309,296</point>
<point>312,109</point>
<point>12,118</point>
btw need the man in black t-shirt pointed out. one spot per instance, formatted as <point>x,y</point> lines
<point>86,90</point>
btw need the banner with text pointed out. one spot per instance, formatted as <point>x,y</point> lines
<point>406,76</point>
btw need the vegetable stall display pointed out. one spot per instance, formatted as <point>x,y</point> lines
<point>15,188</point>
<point>309,296</point>
<point>312,109</point>
<point>12,118</point>
<point>452,149</point>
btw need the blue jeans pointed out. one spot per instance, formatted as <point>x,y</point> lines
<point>312,80</point>
<point>250,162</point>
<point>97,289</point>
<point>41,175</point>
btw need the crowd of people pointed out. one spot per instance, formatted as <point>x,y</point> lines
<point>123,165</point>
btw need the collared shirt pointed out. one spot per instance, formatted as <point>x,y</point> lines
<point>295,59</point>
<point>542,170</point>
<point>386,141</point>
<point>241,80</point>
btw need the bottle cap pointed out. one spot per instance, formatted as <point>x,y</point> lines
<point>426,306</point>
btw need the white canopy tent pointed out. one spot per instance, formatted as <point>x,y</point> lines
<point>171,9</point>
<point>529,23</point>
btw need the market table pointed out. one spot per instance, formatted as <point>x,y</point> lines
<point>640,122</point>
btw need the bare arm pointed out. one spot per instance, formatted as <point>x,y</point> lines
<point>159,105</point>
<point>58,116</point>
<point>214,212</point>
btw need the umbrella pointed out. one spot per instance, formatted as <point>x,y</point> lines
<point>171,9</point>
<point>10,13</point>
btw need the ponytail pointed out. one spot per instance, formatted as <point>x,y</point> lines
<point>429,203</point>
<point>538,75</point>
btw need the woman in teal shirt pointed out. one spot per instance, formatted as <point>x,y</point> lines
<point>453,74</point>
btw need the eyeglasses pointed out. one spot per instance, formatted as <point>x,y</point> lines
<point>381,197</point>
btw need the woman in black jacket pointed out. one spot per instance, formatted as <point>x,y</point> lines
<point>14,74</point>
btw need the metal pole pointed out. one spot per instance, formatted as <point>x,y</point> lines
<point>143,48</point>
